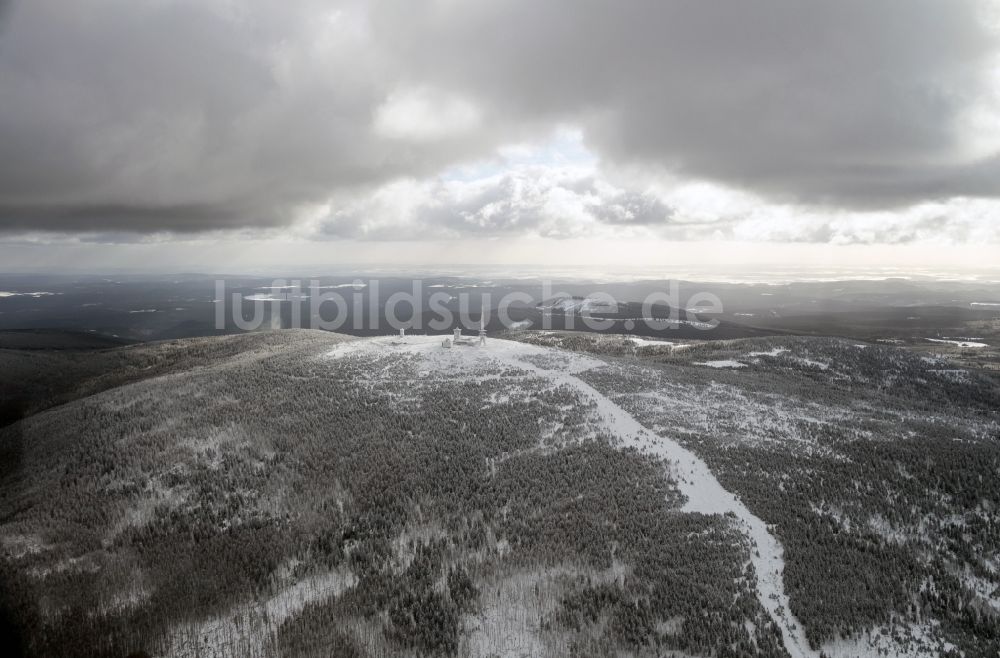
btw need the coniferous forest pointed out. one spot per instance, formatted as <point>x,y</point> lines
<point>289,494</point>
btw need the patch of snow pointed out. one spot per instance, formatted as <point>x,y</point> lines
<point>131,597</point>
<point>652,342</point>
<point>36,295</point>
<point>721,363</point>
<point>578,305</point>
<point>17,546</point>
<point>405,543</point>
<point>513,605</point>
<point>954,374</point>
<point>899,641</point>
<point>508,624</point>
<point>661,323</point>
<point>986,590</point>
<point>274,298</point>
<point>80,564</point>
<point>960,343</point>
<point>245,630</point>
<point>777,351</point>
<point>292,599</point>
<point>815,364</point>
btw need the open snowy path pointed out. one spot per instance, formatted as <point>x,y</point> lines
<point>694,478</point>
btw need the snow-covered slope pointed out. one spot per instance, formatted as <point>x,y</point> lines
<point>695,479</point>
<point>284,493</point>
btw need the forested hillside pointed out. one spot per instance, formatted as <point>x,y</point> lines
<point>878,469</point>
<point>306,494</point>
<point>289,501</point>
<point>38,375</point>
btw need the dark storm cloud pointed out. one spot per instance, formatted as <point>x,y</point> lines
<point>189,217</point>
<point>848,102</point>
<point>119,114</point>
<point>197,114</point>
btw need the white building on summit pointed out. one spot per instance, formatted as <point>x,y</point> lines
<point>459,339</point>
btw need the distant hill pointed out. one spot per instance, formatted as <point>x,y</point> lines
<point>57,339</point>
<point>53,367</point>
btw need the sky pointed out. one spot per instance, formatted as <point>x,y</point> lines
<point>231,135</point>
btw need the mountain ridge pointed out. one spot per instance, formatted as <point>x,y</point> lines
<point>406,462</point>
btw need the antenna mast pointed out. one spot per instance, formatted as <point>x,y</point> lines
<point>482,323</point>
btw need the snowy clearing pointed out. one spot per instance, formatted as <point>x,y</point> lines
<point>36,295</point>
<point>230,634</point>
<point>959,343</point>
<point>777,351</point>
<point>890,642</point>
<point>653,342</point>
<point>721,363</point>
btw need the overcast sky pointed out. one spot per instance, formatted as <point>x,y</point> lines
<point>499,130</point>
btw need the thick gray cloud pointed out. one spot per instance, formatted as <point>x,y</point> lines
<point>203,114</point>
<point>191,114</point>
<point>848,102</point>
